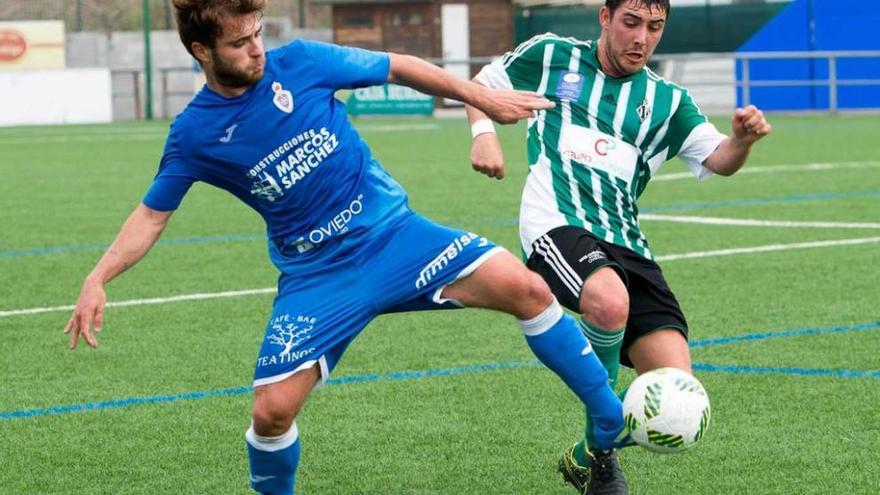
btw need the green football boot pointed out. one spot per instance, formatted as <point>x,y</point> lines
<point>602,477</point>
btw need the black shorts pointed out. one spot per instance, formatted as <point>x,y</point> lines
<point>567,255</point>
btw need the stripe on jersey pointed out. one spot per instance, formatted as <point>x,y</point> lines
<point>650,94</point>
<point>620,111</point>
<point>595,96</point>
<point>661,134</point>
<point>542,90</point>
<point>567,169</point>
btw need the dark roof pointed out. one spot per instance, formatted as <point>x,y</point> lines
<point>368,1</point>
<point>340,2</point>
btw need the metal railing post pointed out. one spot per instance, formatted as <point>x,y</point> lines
<point>136,77</point>
<point>832,84</point>
<point>164,72</point>
<point>747,97</point>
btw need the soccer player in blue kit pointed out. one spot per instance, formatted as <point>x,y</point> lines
<point>267,128</point>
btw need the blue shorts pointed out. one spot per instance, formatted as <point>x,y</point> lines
<point>317,314</point>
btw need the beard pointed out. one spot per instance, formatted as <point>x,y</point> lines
<point>231,76</point>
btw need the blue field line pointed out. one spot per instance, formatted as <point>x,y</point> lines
<point>78,248</point>
<point>753,370</point>
<point>708,205</point>
<point>116,404</point>
<point>75,248</point>
<point>345,380</point>
<point>482,368</point>
<point>800,198</point>
<point>787,333</point>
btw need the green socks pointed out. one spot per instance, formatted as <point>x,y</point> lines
<point>607,346</point>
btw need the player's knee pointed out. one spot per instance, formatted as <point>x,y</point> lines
<point>531,294</point>
<point>607,311</point>
<point>271,417</point>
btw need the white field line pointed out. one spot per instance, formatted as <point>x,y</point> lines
<point>151,135</point>
<point>767,248</point>
<point>769,169</point>
<point>83,139</point>
<point>397,127</point>
<point>745,222</point>
<point>36,132</point>
<point>144,302</point>
<point>271,290</point>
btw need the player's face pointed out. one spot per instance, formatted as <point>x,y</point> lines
<point>629,37</point>
<point>238,57</point>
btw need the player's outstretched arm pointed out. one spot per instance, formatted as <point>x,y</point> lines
<point>504,106</point>
<point>137,236</point>
<point>486,154</point>
<point>748,126</point>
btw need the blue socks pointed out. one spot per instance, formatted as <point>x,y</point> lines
<point>558,342</point>
<point>273,461</point>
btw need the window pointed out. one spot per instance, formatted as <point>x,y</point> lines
<point>407,19</point>
<point>359,20</point>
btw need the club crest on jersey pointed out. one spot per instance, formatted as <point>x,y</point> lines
<point>644,110</point>
<point>283,98</point>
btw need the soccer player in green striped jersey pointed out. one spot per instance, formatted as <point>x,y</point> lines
<point>615,123</point>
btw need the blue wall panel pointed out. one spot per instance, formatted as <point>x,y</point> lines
<point>836,25</point>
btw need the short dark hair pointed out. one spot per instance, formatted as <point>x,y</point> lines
<point>663,4</point>
<point>200,20</point>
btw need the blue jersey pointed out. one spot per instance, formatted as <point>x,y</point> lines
<point>286,148</point>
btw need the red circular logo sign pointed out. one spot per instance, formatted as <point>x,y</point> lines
<point>12,46</point>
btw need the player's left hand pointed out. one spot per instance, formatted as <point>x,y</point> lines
<point>749,124</point>
<point>507,106</point>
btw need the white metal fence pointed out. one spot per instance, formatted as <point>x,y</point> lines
<point>710,78</point>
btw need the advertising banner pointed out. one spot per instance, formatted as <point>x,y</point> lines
<point>389,99</point>
<point>31,45</point>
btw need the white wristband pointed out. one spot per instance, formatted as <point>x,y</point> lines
<point>482,126</point>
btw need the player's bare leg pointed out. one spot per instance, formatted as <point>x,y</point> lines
<point>273,438</point>
<point>661,349</point>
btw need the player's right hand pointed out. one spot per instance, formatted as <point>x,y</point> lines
<point>507,106</point>
<point>486,155</point>
<point>88,317</point>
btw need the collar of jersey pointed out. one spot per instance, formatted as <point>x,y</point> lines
<point>216,97</point>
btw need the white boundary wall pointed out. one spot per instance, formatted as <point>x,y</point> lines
<point>60,96</point>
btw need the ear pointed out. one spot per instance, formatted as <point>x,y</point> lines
<point>201,52</point>
<point>605,17</point>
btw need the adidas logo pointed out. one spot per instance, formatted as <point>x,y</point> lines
<point>609,98</point>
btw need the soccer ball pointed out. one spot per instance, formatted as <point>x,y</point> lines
<point>666,410</point>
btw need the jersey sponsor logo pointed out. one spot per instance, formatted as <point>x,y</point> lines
<point>591,148</point>
<point>610,99</point>
<point>283,99</point>
<point>229,131</point>
<point>266,187</point>
<point>336,226</point>
<point>603,146</point>
<point>569,86</point>
<point>294,160</point>
<point>644,110</point>
<point>290,333</point>
<point>446,256</point>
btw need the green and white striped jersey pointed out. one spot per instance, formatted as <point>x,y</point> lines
<point>592,155</point>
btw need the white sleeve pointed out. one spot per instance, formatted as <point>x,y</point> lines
<point>700,143</point>
<point>494,76</point>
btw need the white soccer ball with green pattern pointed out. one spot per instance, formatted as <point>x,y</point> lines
<point>666,410</point>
